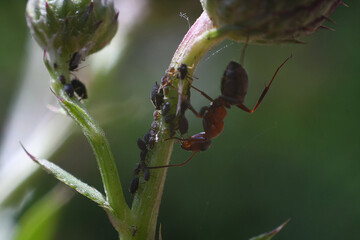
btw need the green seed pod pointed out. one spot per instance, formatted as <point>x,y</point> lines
<point>269,21</point>
<point>65,27</point>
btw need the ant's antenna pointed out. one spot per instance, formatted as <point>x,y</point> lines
<point>243,51</point>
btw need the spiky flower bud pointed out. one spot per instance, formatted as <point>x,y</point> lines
<point>265,21</point>
<point>65,27</point>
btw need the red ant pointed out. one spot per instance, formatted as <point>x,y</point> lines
<point>234,85</point>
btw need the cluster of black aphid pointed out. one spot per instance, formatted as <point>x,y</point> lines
<point>75,86</point>
<point>182,125</point>
<point>185,103</point>
<point>147,142</point>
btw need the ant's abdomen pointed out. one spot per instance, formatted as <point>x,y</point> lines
<point>234,83</point>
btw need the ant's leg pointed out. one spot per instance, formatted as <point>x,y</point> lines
<point>180,96</point>
<point>188,105</point>
<point>246,109</point>
<point>203,93</point>
<point>192,109</point>
<point>174,165</point>
<point>243,51</point>
<point>191,78</point>
<point>177,138</point>
<point>203,111</point>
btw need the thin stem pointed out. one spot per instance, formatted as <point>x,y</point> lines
<point>121,215</point>
<point>201,37</point>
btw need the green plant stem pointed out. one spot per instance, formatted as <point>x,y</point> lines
<point>121,216</point>
<point>201,37</point>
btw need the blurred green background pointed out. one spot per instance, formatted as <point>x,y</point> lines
<point>297,157</point>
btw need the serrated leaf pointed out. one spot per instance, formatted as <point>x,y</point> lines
<point>71,181</point>
<point>271,234</point>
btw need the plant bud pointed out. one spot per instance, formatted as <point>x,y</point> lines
<point>269,22</point>
<point>66,27</point>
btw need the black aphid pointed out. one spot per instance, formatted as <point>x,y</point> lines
<point>183,70</point>
<point>62,79</point>
<point>137,169</point>
<point>156,96</point>
<point>134,185</point>
<point>143,155</point>
<point>147,137</point>
<point>69,89</point>
<point>141,144</point>
<point>183,124</point>
<point>79,88</point>
<point>165,108</point>
<point>146,174</point>
<point>170,118</point>
<point>75,60</point>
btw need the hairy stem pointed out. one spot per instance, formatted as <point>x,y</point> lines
<point>200,38</point>
<point>121,216</point>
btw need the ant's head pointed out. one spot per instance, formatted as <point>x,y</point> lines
<point>186,145</point>
<point>234,83</point>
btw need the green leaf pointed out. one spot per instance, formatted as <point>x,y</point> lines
<point>41,220</point>
<point>271,234</point>
<point>71,181</point>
